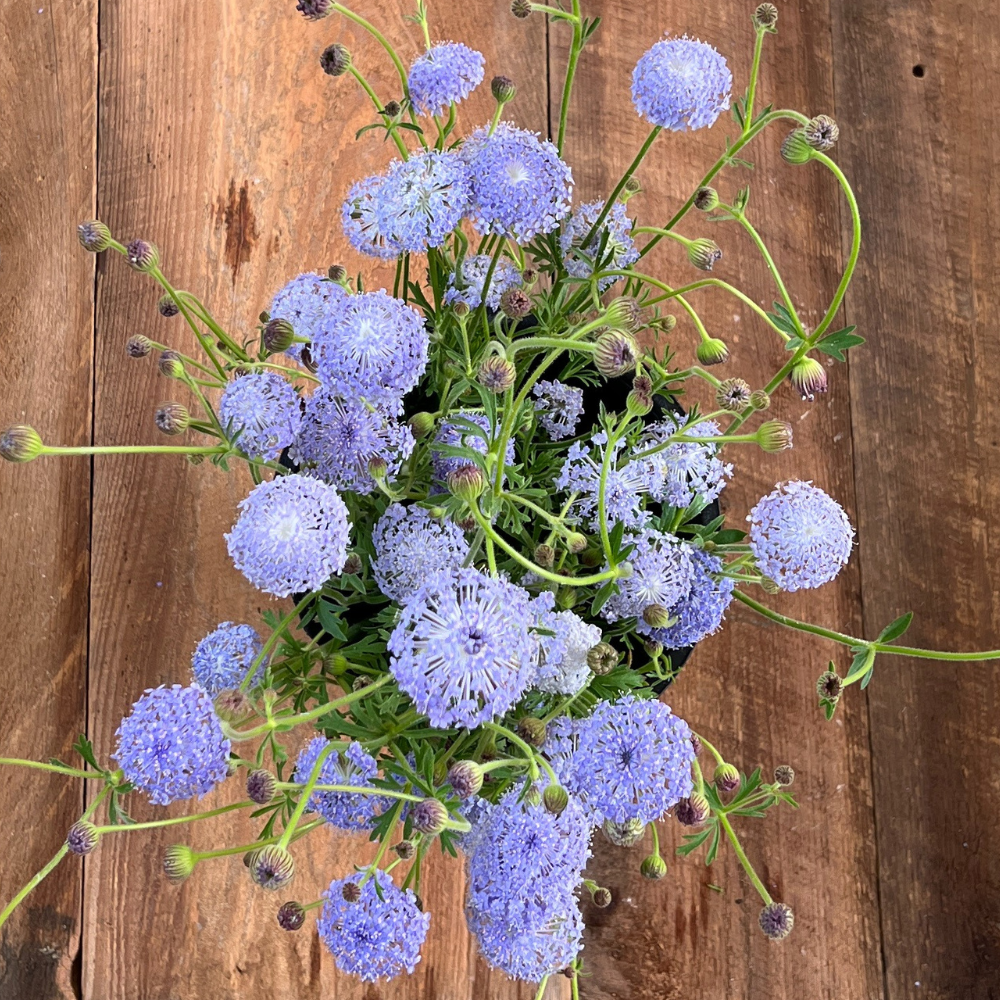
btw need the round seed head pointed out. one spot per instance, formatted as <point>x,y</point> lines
<point>520,8</point>
<point>313,10</point>
<point>765,17</point>
<point>829,686</point>
<point>777,921</point>
<point>784,775</point>
<point>405,849</point>
<point>291,916</point>
<point>601,897</point>
<point>138,346</point>
<point>350,892</point>
<point>515,303</point>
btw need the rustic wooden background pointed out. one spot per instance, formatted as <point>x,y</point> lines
<point>209,128</point>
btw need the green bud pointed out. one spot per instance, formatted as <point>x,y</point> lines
<point>760,400</point>
<point>712,352</point>
<point>795,148</point>
<point>170,364</point>
<point>94,236</point>
<point>602,658</point>
<point>142,255</point>
<point>421,424</point>
<point>567,597</point>
<point>496,374</point>
<point>706,199</point>
<point>178,863</point>
<point>769,586</point>
<point>378,467</point>
<point>626,834</point>
<point>532,730</point>
<point>774,435</point>
<point>653,867</point>
<point>624,313</point>
<point>172,418</point>
<point>727,778</point>
<point>467,482</point>
<point>504,89</point>
<point>576,542</point>
<point>20,444</point>
<point>808,376</point>
<point>555,798</point>
<point>704,254</point>
<point>657,616</point>
<point>272,868</point>
<point>765,17</point>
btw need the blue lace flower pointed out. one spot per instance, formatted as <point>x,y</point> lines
<point>224,656</point>
<point>700,613</point>
<point>360,219</point>
<point>619,249</point>
<point>171,746</point>
<point>375,347</point>
<point>685,470</point>
<point>379,935</point>
<point>263,409</point>
<point>339,437</point>
<point>462,649</point>
<point>520,187</point>
<point>681,84</point>
<point>305,302</point>
<point>456,435</point>
<point>468,287</point>
<point>352,766</point>
<point>559,408</point>
<point>410,546</point>
<point>291,535</point>
<point>800,536</point>
<point>564,669</point>
<point>422,200</point>
<point>446,73</point>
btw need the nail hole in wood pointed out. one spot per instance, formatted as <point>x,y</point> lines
<point>918,71</point>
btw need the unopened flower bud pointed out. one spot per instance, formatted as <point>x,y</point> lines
<point>567,597</point>
<point>626,834</point>
<point>520,8</point>
<point>466,482</point>
<point>429,817</point>
<point>555,798</point>
<point>496,374</point>
<point>465,778</point>
<point>20,444</point>
<point>545,555</point>
<point>760,400</point>
<point>350,892</point>
<point>421,424</point>
<point>393,109</point>
<point>808,376</point>
<point>601,897</point>
<point>335,60</point>
<point>784,775</point>
<point>829,686</point>
<point>765,17</point>
<point>640,400</point>
<point>657,616</point>
<point>533,796</point>
<point>504,89</point>
<point>616,353</point>
<point>336,273</point>
<point>576,542</point>
<point>632,187</point>
<point>94,236</point>
<point>172,418</point>
<point>378,468</point>
<point>652,647</point>
<point>515,304</point>
<point>795,148</point>
<point>776,921</point>
<point>313,10</point>
<point>624,313</point>
<point>733,395</point>
<point>405,850</point>
<point>706,199</point>
<point>291,915</point>
<point>774,435</point>
<point>170,364</point>
<point>692,811</point>
<point>278,336</point>
<point>821,133</point>
<point>712,352</point>
<point>704,254</point>
<point>769,586</point>
<point>727,778</point>
<point>467,523</point>
<point>532,730</point>
<point>261,786</point>
<point>138,346</point>
<point>273,867</point>
<point>82,837</point>
<point>529,276</point>
<point>142,255</point>
<point>602,658</point>
<point>232,705</point>
<point>360,682</point>
<point>167,306</point>
<point>653,867</point>
<point>178,863</point>
<point>353,564</point>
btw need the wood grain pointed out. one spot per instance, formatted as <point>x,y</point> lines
<point>750,689</point>
<point>48,64</point>
<point>923,149</point>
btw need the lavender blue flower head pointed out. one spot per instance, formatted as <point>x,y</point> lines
<point>304,302</point>
<point>291,535</point>
<point>263,409</point>
<point>351,767</point>
<point>701,611</point>
<point>684,471</point>
<point>224,656</point>
<point>171,746</point>
<point>520,186</point>
<point>559,408</point>
<point>800,536</point>
<point>455,435</point>
<point>339,436</point>
<point>359,216</point>
<point>468,287</point>
<point>422,199</point>
<point>375,347</point>
<point>462,649</point>
<point>615,234</point>
<point>681,84</point>
<point>446,73</point>
<point>378,936</point>
<point>410,546</point>
<point>564,668</point>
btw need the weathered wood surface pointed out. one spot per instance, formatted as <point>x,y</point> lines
<point>218,138</point>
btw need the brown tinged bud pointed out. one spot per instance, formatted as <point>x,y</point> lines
<point>576,542</point>
<point>712,352</point>
<point>515,304</point>
<point>760,400</point>
<point>555,798</point>
<point>733,395</point>
<point>82,837</point>
<point>172,418</point>
<point>167,306</point>
<point>261,786</point>
<point>696,745</point>
<point>776,921</point>
<point>272,868</point>
<point>429,817</point>
<point>657,616</point>
<point>178,863</point>
<point>545,556</point>
<point>20,443</point>
<point>278,336</point>
<point>653,868</point>
<point>829,686</point>
<point>532,730</point>
<point>706,199</point>
<point>784,775</point>
<point>465,778</point>
<point>232,705</point>
<point>809,377</point>
<point>602,658</point>
<point>336,273</point>
<point>626,834</point>
<point>405,850</point>
<point>360,682</point>
<point>291,916</point>
<point>692,811</point>
<point>496,374</point>
<point>170,364</point>
<point>421,424</point>
<point>393,109</point>
<point>666,323</point>
<point>727,778</point>
<point>504,89</point>
<point>350,892</point>
<point>467,523</point>
<point>353,564</point>
<point>616,354</point>
<point>378,467</point>
<point>652,647</point>
<point>632,186</point>
<point>313,10</point>
<point>94,236</point>
<point>765,17</point>
<point>821,133</point>
<point>795,148</point>
<point>774,435</point>
<point>520,8</point>
<point>601,897</point>
<point>138,346</point>
<point>704,254</point>
<point>466,482</point>
<point>335,60</point>
<point>142,255</point>
<point>640,400</point>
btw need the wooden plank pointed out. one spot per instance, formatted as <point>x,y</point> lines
<point>915,88</point>
<point>750,689</point>
<point>223,142</point>
<point>48,64</point>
